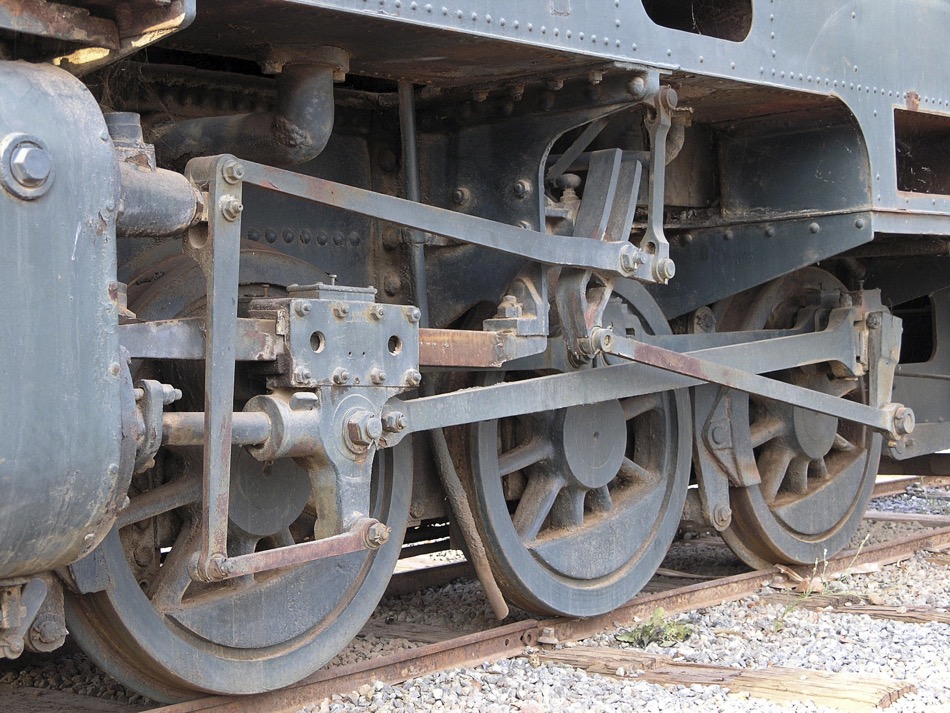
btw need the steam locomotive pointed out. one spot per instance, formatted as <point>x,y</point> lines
<point>288,283</point>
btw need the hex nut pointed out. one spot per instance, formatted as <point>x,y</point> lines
<point>413,377</point>
<point>231,208</point>
<point>628,258</point>
<point>364,429</point>
<point>340,310</point>
<point>30,165</point>
<point>377,376</point>
<point>26,166</point>
<point>233,172</point>
<point>395,422</point>
<point>413,314</point>
<point>340,375</point>
<point>377,535</point>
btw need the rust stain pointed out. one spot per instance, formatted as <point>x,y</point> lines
<point>458,347</point>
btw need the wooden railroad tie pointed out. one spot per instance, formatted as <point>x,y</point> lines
<point>842,691</point>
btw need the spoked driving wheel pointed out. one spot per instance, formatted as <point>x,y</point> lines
<point>816,471</point>
<point>148,624</point>
<point>578,506</point>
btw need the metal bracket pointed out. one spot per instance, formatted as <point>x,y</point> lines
<point>335,335</point>
<point>606,214</point>
<point>151,398</point>
<point>658,267</point>
<point>20,601</point>
<point>216,247</point>
<point>716,459</point>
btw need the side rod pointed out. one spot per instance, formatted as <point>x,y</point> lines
<point>893,420</point>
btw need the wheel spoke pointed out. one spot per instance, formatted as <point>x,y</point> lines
<point>168,589</point>
<point>599,500</point>
<point>635,473</point>
<point>767,429</point>
<point>842,387</point>
<point>535,504</point>
<point>568,509</point>
<point>160,500</point>
<point>819,468</point>
<point>797,480</point>
<point>639,405</point>
<point>842,444</point>
<point>523,456</point>
<point>773,464</point>
<point>284,538</point>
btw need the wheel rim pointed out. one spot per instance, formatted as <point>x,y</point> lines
<point>816,472</point>
<point>599,489</point>
<point>169,638</point>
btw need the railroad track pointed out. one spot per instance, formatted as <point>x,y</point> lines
<point>511,639</point>
<point>446,649</point>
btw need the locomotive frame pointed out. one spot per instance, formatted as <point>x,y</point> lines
<point>597,253</point>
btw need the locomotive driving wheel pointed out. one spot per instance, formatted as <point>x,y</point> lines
<point>816,471</point>
<point>578,506</point>
<point>170,638</point>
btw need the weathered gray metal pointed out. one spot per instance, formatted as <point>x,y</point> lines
<point>486,163</point>
<point>63,468</point>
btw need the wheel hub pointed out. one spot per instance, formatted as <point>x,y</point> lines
<point>813,433</point>
<point>593,439</point>
<point>266,497</point>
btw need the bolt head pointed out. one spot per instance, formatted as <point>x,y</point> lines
<point>30,165</point>
<point>377,535</point>
<point>874,320</point>
<point>364,429</point>
<point>629,258</point>
<point>721,516</point>
<point>233,172</point>
<point>904,420</point>
<point>520,189</point>
<point>665,269</point>
<point>637,87</point>
<point>413,377</point>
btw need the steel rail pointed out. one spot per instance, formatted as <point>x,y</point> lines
<point>510,640</point>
